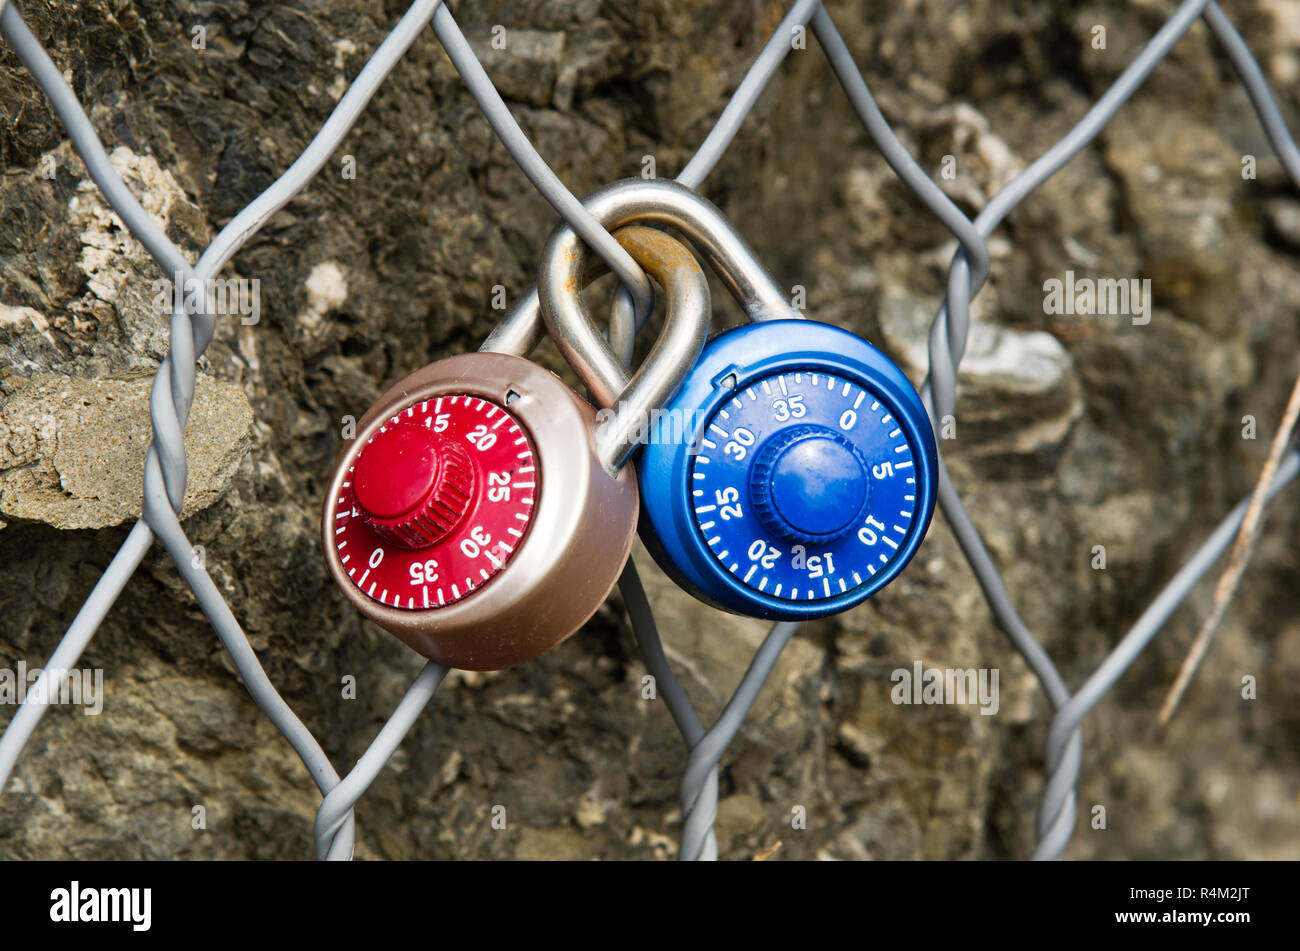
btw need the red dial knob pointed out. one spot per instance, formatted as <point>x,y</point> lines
<point>435,502</point>
<point>542,510</point>
<point>413,486</point>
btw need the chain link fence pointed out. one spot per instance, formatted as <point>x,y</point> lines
<point>190,333</point>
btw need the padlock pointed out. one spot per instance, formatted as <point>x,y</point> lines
<point>481,514</point>
<point>793,475</point>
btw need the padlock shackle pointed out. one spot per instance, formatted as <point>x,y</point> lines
<point>632,397</point>
<point>662,201</point>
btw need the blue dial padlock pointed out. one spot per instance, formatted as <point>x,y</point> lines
<point>794,472</point>
<point>809,483</point>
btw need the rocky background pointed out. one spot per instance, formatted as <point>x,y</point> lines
<point>1074,432</point>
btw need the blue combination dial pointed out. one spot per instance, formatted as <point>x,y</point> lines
<point>810,480</point>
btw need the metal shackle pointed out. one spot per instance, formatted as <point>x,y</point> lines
<point>686,326</point>
<point>694,217</point>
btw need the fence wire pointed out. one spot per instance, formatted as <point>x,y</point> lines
<point>173,391</point>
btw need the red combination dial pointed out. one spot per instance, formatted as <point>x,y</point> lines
<point>436,502</point>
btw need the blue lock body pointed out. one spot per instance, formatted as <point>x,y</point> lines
<point>792,475</point>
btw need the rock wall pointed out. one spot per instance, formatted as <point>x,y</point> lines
<point>1073,432</point>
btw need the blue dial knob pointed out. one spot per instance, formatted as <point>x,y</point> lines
<point>809,483</point>
<point>810,480</point>
<point>818,550</point>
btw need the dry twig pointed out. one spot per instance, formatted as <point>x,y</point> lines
<point>1242,549</point>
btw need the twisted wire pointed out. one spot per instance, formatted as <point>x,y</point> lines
<point>530,161</point>
<point>1057,813</point>
<point>173,389</point>
<point>1056,817</point>
<point>172,393</point>
<point>970,267</point>
<point>699,783</point>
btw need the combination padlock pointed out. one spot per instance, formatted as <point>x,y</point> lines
<point>481,514</point>
<point>809,478</point>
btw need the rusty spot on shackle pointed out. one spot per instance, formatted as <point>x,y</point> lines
<point>670,256</point>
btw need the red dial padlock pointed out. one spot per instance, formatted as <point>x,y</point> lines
<point>481,514</point>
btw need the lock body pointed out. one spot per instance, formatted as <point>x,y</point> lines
<point>792,476</point>
<point>471,516</point>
